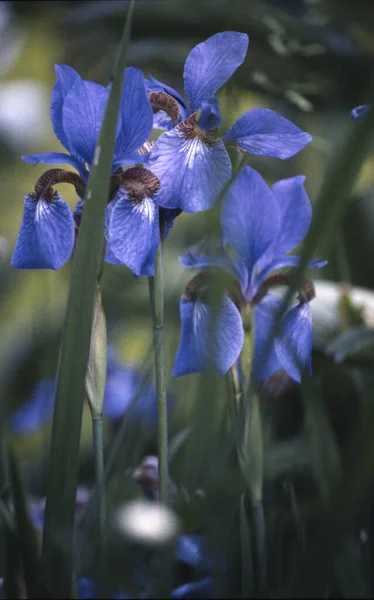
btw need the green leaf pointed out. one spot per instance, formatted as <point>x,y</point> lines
<point>57,556</point>
<point>246,553</point>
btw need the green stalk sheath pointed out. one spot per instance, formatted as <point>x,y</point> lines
<point>156,297</point>
<point>97,432</point>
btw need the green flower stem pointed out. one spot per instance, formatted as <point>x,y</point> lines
<point>97,433</point>
<point>156,297</point>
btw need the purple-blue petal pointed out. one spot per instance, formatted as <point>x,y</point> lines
<point>360,112</point>
<point>129,159</point>
<point>153,85</point>
<point>189,549</point>
<point>196,589</point>
<point>250,217</point>
<point>136,116</point>
<point>66,78</point>
<point>192,172</point>
<point>210,64</point>
<point>36,412</point>
<point>210,117</point>
<point>46,237</point>
<point>57,158</point>
<point>296,212</point>
<point>265,361</point>
<point>192,355</point>
<point>82,116</point>
<point>134,233</point>
<point>263,132</point>
<point>294,343</point>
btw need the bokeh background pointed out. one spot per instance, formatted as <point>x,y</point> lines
<point>312,61</point>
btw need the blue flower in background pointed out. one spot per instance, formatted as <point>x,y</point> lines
<point>189,159</point>
<point>77,110</point>
<point>36,412</point>
<point>360,112</point>
<point>122,384</point>
<point>261,225</point>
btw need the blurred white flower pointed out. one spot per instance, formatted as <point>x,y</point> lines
<point>147,523</point>
<point>24,114</point>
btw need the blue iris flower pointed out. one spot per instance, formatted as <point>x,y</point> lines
<point>36,412</point>
<point>47,235</point>
<point>122,384</point>
<point>261,225</point>
<point>189,159</point>
<point>360,112</point>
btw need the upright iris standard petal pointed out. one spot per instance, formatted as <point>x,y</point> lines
<point>360,112</point>
<point>192,171</point>
<point>136,116</point>
<point>296,212</point>
<point>265,361</point>
<point>250,217</point>
<point>66,78</point>
<point>134,233</point>
<point>82,116</point>
<point>46,237</point>
<point>210,64</point>
<point>196,324</point>
<point>294,344</point>
<point>57,158</point>
<point>263,132</point>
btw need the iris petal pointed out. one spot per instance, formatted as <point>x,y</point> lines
<point>37,411</point>
<point>210,64</point>
<point>134,233</point>
<point>66,78</point>
<point>136,114</point>
<point>360,112</point>
<point>263,132</point>
<point>192,355</point>
<point>57,158</point>
<point>296,212</point>
<point>192,172</point>
<point>265,361</point>
<point>82,116</point>
<point>250,217</point>
<point>46,236</point>
<point>294,344</point>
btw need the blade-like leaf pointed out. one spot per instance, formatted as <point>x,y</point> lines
<point>57,556</point>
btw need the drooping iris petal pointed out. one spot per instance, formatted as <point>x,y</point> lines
<point>136,116</point>
<point>82,116</point>
<point>134,233</point>
<point>66,78</point>
<point>196,323</point>
<point>192,172</point>
<point>265,361</point>
<point>278,262</point>
<point>263,132</point>
<point>360,112</point>
<point>189,549</point>
<point>210,64</point>
<point>153,85</point>
<point>250,217</point>
<point>296,212</point>
<point>109,256</point>
<point>36,412</point>
<point>57,158</point>
<point>294,343</point>
<point>46,236</point>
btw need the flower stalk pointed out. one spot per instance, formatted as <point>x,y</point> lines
<point>156,297</point>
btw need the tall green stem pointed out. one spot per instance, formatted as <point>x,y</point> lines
<point>97,433</point>
<point>156,297</point>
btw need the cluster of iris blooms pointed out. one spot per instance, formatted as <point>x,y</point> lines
<point>187,169</point>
